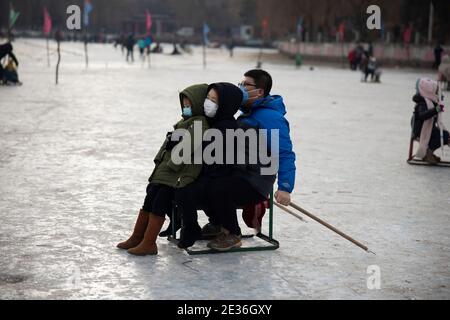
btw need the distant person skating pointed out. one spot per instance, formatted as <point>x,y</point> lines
<point>122,42</point>
<point>438,51</point>
<point>444,71</point>
<point>359,54</point>
<point>231,46</point>
<point>141,45</point>
<point>130,47</point>
<point>175,50</point>
<point>157,48</point>
<point>148,44</point>
<point>352,60</point>
<point>372,69</point>
<point>185,47</point>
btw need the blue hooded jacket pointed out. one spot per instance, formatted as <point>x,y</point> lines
<point>269,113</point>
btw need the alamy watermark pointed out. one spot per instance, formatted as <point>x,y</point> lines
<point>374,277</point>
<point>374,21</point>
<point>74,280</point>
<point>235,147</point>
<point>73,21</point>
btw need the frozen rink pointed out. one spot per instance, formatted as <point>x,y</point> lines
<point>75,159</point>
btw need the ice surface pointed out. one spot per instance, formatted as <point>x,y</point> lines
<point>75,158</point>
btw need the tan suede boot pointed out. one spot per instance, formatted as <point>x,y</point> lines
<point>430,158</point>
<point>148,245</point>
<point>138,233</point>
<point>438,159</point>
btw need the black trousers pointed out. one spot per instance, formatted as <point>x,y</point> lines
<point>435,140</point>
<point>159,200</point>
<point>191,198</point>
<point>369,72</point>
<point>228,194</point>
<point>130,54</point>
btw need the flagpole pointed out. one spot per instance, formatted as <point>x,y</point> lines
<point>9,22</point>
<point>150,53</point>
<point>149,57</point>
<point>148,24</point>
<point>298,60</point>
<point>47,31</point>
<point>48,52</point>
<point>87,11</point>
<point>430,23</point>
<point>206,31</point>
<point>86,48</point>
<point>263,38</point>
<point>58,40</point>
<point>12,20</point>
<point>259,63</point>
<point>204,54</point>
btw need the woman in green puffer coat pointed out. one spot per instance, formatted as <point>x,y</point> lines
<point>167,176</point>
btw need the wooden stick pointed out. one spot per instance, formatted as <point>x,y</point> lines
<point>59,60</point>
<point>288,211</point>
<point>204,55</point>
<point>293,205</point>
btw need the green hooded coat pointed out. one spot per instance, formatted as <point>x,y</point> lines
<point>179,176</point>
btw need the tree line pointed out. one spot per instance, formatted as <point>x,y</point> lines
<point>319,17</point>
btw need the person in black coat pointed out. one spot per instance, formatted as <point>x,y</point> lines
<point>129,44</point>
<point>6,50</point>
<point>421,114</point>
<point>222,103</point>
<point>438,51</point>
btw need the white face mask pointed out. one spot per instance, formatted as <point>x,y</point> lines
<point>210,108</point>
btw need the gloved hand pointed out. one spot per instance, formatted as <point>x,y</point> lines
<point>440,108</point>
<point>171,144</point>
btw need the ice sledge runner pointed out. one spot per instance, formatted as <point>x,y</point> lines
<point>272,244</point>
<point>413,160</point>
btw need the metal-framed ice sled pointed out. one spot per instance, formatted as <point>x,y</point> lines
<point>269,242</point>
<point>412,160</point>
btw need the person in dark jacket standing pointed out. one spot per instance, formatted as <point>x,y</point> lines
<point>438,51</point>
<point>222,103</point>
<point>130,43</point>
<point>6,50</point>
<point>168,176</point>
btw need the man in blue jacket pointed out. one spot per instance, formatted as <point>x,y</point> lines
<point>248,186</point>
<point>264,111</point>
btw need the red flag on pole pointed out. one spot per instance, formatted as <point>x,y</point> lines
<point>47,22</point>
<point>149,21</point>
